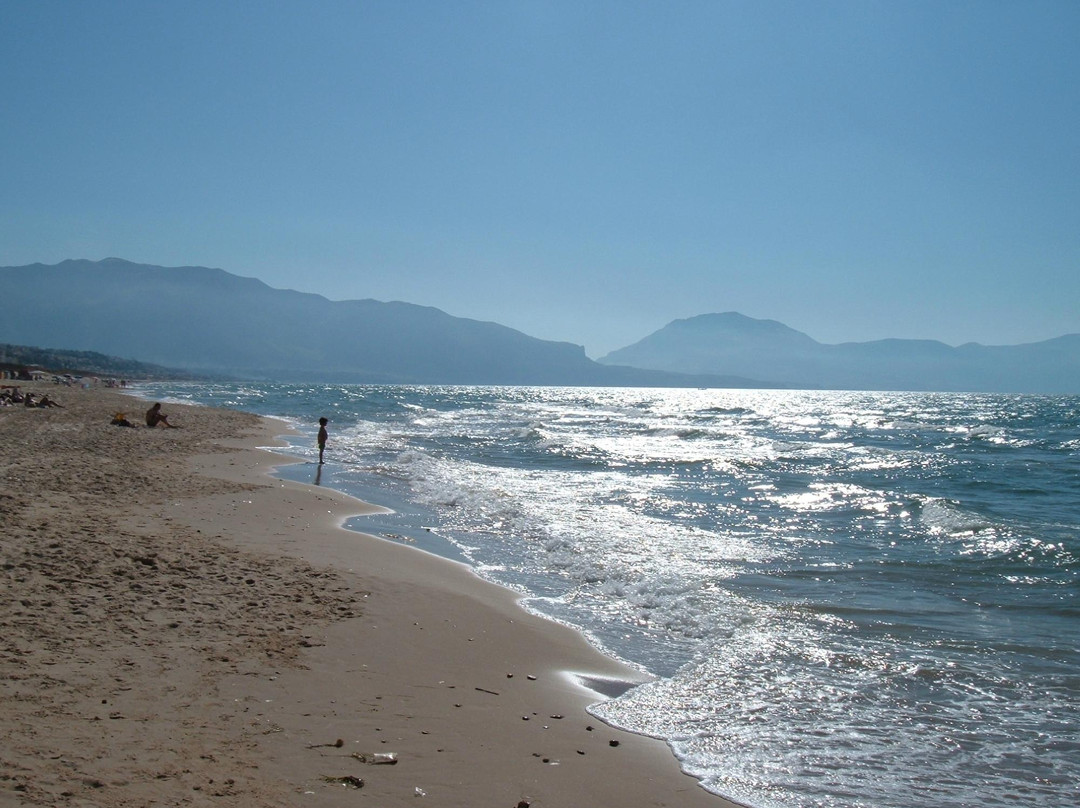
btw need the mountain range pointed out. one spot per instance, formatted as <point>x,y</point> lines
<point>210,321</point>
<point>21,358</point>
<point>772,350</point>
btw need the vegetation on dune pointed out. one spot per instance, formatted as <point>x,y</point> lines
<point>82,363</point>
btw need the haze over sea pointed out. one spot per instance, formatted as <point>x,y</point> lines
<point>846,598</point>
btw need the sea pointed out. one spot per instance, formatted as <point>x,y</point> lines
<point>842,598</point>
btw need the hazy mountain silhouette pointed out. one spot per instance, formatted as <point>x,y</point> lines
<point>765,349</point>
<point>84,363</point>
<point>207,320</point>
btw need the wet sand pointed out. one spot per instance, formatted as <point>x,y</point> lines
<point>183,629</point>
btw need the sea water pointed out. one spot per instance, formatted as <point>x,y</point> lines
<point>845,598</point>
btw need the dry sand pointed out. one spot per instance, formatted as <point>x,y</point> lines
<point>179,628</point>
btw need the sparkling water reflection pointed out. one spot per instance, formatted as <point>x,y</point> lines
<point>849,598</point>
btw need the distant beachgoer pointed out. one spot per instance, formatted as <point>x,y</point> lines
<point>28,400</point>
<point>48,402</point>
<point>322,438</point>
<point>155,416</point>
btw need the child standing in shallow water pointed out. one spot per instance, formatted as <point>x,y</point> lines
<point>322,438</point>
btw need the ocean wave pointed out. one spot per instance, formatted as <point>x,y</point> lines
<point>683,433</point>
<point>848,598</point>
<point>943,517</point>
<point>711,411</point>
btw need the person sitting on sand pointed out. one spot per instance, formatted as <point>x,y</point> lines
<point>28,400</point>
<point>120,419</point>
<point>155,416</point>
<point>48,402</point>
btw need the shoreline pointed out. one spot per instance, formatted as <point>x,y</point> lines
<point>302,633</point>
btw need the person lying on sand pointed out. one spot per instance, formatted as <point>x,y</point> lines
<point>48,402</point>
<point>120,419</point>
<point>155,416</point>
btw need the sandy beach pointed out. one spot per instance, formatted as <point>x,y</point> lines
<point>183,629</point>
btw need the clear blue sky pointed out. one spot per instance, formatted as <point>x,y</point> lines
<point>582,171</point>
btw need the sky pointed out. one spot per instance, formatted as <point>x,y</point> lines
<point>580,171</point>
